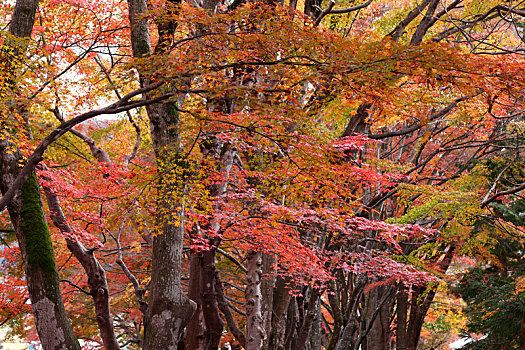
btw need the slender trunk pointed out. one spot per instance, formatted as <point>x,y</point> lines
<point>212,320</point>
<point>418,310</point>
<point>267,286</point>
<point>255,332</point>
<point>335,305</point>
<point>195,333</point>
<point>308,319</point>
<point>348,335</point>
<point>291,325</point>
<point>223,305</point>
<point>315,333</point>
<point>97,282</point>
<point>402,309</point>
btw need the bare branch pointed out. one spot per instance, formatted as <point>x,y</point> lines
<point>350,9</point>
<point>139,291</point>
<point>124,104</point>
<point>399,29</point>
<point>76,286</point>
<point>418,125</point>
<point>224,306</point>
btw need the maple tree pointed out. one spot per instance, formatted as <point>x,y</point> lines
<point>307,179</point>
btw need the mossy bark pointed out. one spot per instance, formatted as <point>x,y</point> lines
<point>26,210</point>
<point>34,240</point>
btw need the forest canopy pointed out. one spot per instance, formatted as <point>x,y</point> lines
<point>261,174</point>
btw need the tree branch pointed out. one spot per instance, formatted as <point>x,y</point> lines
<point>124,104</point>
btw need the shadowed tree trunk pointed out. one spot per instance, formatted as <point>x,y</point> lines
<point>401,309</point>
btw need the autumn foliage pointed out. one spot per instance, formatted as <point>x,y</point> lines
<point>323,174</point>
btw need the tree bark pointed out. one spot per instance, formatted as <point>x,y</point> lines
<point>255,332</point>
<point>377,314</point>
<point>402,309</point>
<point>34,240</point>
<point>205,327</point>
<point>223,305</point>
<point>169,310</point>
<point>282,299</point>
<point>418,310</point>
<point>196,332</point>
<point>97,282</point>
<point>267,286</point>
<point>26,210</point>
<point>309,316</point>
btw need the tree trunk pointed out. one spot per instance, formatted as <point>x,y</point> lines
<point>34,240</point>
<point>282,299</point>
<point>402,309</point>
<point>222,303</point>
<point>267,286</point>
<point>97,282</point>
<point>212,319</point>
<point>26,210</point>
<point>308,319</point>
<point>315,334</point>
<point>169,310</point>
<point>418,310</point>
<point>205,327</point>
<point>377,318</point>
<point>255,332</point>
<point>195,334</point>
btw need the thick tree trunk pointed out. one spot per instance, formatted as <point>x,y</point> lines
<point>26,210</point>
<point>212,319</point>
<point>282,299</point>
<point>196,332</point>
<point>377,316</point>
<point>205,327</point>
<point>169,309</point>
<point>27,217</point>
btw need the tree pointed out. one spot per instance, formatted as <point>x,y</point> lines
<point>323,180</point>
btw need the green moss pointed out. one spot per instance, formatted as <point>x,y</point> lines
<point>34,227</point>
